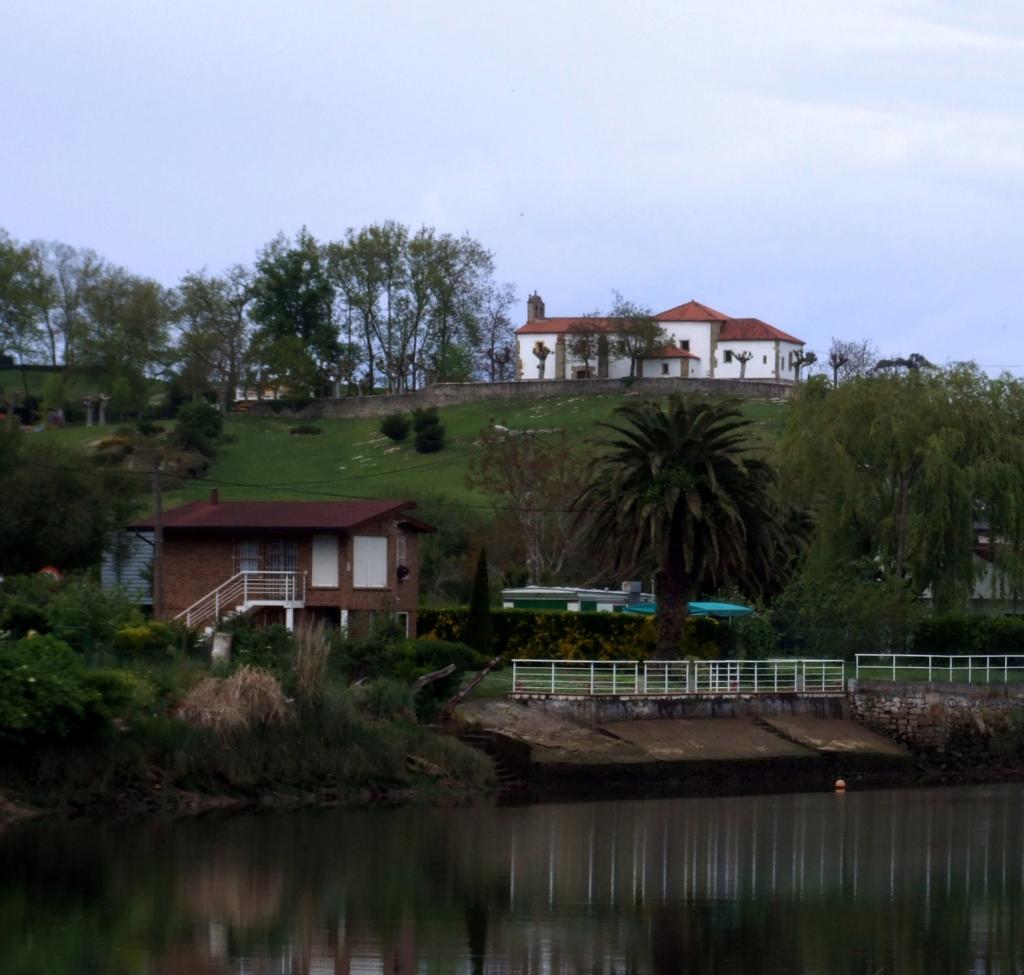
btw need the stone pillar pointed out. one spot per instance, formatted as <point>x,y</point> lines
<point>602,357</point>
<point>560,358</point>
<point>104,399</point>
<point>220,651</point>
<point>87,403</point>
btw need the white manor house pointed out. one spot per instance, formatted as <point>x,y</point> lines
<point>700,343</point>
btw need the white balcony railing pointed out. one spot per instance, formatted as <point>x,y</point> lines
<point>592,678</point>
<point>242,592</point>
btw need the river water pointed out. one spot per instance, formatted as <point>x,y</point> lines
<point>928,881</point>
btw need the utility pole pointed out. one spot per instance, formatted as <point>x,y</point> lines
<point>158,542</point>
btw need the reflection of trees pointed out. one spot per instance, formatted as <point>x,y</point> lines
<point>896,881</point>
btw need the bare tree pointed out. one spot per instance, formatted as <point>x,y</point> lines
<point>801,359</point>
<point>583,339</point>
<point>638,334</point>
<point>743,358</point>
<point>848,360</point>
<point>532,478</point>
<point>497,335</point>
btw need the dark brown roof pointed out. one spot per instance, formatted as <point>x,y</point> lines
<point>691,311</point>
<point>753,329</point>
<point>282,515</point>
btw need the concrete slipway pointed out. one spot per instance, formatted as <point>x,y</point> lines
<point>749,752</point>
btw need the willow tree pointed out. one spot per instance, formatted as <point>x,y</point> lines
<point>682,489</point>
<point>900,469</point>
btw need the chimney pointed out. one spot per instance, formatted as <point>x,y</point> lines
<point>534,308</point>
<point>214,496</point>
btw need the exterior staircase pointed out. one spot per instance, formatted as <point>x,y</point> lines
<point>243,592</point>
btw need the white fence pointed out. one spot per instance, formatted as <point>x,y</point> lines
<point>973,669</point>
<point>677,677</point>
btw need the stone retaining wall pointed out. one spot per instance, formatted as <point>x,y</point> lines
<point>969,722</point>
<point>628,707</point>
<point>450,394</point>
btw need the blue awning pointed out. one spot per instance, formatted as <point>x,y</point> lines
<point>717,610</point>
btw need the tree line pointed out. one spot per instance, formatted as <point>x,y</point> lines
<point>383,307</point>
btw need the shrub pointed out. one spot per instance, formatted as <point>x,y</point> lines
<point>250,696</point>
<point>198,426</point>
<point>305,430</point>
<point>544,634</point>
<point>269,647</point>
<point>424,417</point>
<point>47,694</point>
<point>395,426</point>
<point>149,639</point>
<point>86,615</point>
<point>430,440</point>
<point>387,699</point>
<point>147,428</point>
<point>945,634</point>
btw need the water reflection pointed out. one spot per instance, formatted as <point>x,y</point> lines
<point>893,881</point>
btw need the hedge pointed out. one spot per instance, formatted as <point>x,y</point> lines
<point>969,634</point>
<point>552,635</point>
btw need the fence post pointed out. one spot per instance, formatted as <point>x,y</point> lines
<point>591,678</point>
<point>929,668</point>
<point>988,669</point>
<point>756,665</point>
<point>515,676</point>
<point>636,679</point>
<point>615,668</point>
<point>1006,670</point>
<point>969,662</point>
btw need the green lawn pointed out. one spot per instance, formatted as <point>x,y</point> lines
<point>261,459</point>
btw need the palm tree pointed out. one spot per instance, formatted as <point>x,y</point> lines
<point>679,490</point>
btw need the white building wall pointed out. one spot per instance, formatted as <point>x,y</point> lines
<point>530,361</point>
<point>761,366</point>
<point>786,368</point>
<point>698,334</point>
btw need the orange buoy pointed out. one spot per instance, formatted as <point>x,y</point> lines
<point>840,785</point>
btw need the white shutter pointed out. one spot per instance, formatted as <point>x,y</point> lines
<point>369,562</point>
<point>325,561</point>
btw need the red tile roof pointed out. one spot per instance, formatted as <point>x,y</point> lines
<point>672,352</point>
<point>559,326</point>
<point>281,515</point>
<point>691,311</point>
<point>753,330</point>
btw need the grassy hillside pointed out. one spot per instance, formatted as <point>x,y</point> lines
<point>261,459</point>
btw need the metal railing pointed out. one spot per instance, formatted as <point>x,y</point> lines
<point>242,591</point>
<point>949,668</point>
<point>593,678</point>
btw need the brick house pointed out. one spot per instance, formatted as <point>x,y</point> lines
<point>289,561</point>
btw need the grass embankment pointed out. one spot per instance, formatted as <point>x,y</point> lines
<point>260,458</point>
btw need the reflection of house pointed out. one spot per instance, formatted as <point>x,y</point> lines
<point>339,561</point>
<point>703,343</point>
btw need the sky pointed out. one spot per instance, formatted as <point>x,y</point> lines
<point>838,169</point>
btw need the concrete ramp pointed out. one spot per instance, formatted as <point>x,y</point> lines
<point>683,756</point>
<point>833,736</point>
<point>705,739</point>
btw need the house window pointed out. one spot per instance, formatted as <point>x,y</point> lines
<point>282,555</point>
<point>369,562</point>
<point>247,555</point>
<point>664,368</point>
<point>728,355</point>
<point>764,359</point>
<point>685,345</point>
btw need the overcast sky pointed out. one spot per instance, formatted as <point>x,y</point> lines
<point>837,168</point>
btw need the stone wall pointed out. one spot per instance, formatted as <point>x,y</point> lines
<point>450,394</point>
<point>967,722</point>
<point>630,707</point>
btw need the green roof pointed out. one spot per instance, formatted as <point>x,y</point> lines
<point>720,610</point>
